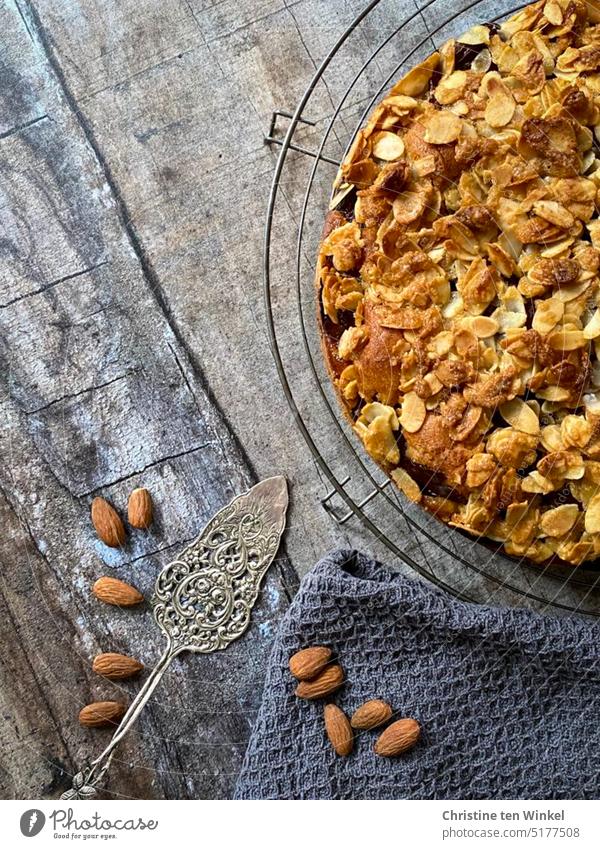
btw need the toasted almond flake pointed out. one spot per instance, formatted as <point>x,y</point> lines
<point>401,104</point>
<point>557,248</point>
<point>551,439</point>
<point>407,485</point>
<point>501,104</point>
<point>482,62</point>
<point>339,196</point>
<point>536,483</point>
<point>375,409</point>
<point>478,34</point>
<point>442,128</point>
<point>592,328</point>
<point>519,415</point>
<point>567,339</point>
<point>413,413</point>
<point>559,520</point>
<point>451,88</point>
<point>569,293</point>
<point>387,146</point>
<point>424,166</point>
<point>483,326</point>
<point>554,212</point>
<point>553,13</point>
<point>547,315</point>
<point>554,394</point>
<point>465,342</point>
<point>416,80</point>
<point>575,431</point>
<point>434,383</point>
<point>408,206</point>
<point>592,515</point>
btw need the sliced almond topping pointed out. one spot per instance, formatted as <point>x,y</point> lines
<point>478,34</point>
<point>442,128</point>
<point>592,328</point>
<point>519,415</point>
<point>416,80</point>
<point>554,212</point>
<point>537,484</point>
<point>575,431</point>
<point>554,394</point>
<point>413,413</point>
<point>484,326</point>
<point>558,521</point>
<point>551,439</point>
<point>592,516</point>
<point>450,88</point>
<point>567,338</point>
<point>408,206</point>
<point>547,315</point>
<point>569,293</point>
<point>482,62</point>
<point>553,12</point>
<point>501,104</point>
<point>407,485</point>
<point>388,146</point>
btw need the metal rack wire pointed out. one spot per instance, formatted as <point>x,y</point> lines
<point>311,149</point>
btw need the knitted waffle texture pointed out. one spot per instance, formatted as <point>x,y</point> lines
<point>508,700</point>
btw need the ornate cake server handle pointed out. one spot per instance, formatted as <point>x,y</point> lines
<point>203,600</point>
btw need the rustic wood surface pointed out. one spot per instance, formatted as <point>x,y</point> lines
<point>134,180</point>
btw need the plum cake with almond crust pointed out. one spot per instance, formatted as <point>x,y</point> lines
<point>458,283</point>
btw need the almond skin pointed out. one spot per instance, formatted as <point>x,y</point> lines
<point>339,730</point>
<point>114,591</point>
<point>101,713</point>
<point>371,714</point>
<point>398,738</point>
<point>116,666</point>
<point>307,663</point>
<point>327,682</point>
<point>139,509</point>
<point>107,523</point>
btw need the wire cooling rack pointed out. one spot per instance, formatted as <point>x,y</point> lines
<point>381,43</point>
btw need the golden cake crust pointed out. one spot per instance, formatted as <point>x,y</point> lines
<point>458,283</point>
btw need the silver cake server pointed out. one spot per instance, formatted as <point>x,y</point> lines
<point>202,601</point>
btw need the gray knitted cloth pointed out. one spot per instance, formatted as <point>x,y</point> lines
<point>508,700</point>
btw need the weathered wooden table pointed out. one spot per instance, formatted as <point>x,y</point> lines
<point>134,180</point>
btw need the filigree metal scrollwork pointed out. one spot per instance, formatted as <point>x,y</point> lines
<point>203,600</point>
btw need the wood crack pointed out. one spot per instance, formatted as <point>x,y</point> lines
<point>20,127</point>
<point>81,392</point>
<point>151,465</point>
<point>53,283</point>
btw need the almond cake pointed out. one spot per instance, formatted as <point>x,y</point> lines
<point>458,283</point>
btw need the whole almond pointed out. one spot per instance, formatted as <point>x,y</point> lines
<point>101,713</point>
<point>398,738</point>
<point>107,523</point>
<point>307,663</point>
<point>114,591</point>
<point>327,682</point>
<point>371,714</point>
<point>338,730</point>
<point>116,666</point>
<point>139,509</point>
